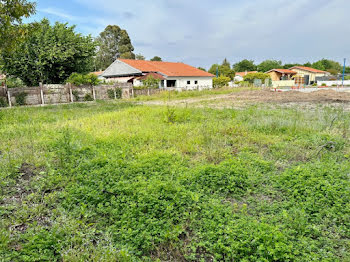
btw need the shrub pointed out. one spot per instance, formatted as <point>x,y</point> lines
<point>21,98</point>
<point>151,82</point>
<point>118,93</point>
<point>80,79</point>
<point>324,84</point>
<point>221,81</point>
<point>251,77</point>
<point>75,93</point>
<point>88,97</point>
<point>13,82</point>
<point>314,84</point>
<point>3,102</point>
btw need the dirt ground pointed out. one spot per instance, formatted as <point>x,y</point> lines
<point>246,98</point>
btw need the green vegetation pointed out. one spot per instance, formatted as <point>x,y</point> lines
<point>267,65</point>
<point>245,65</point>
<point>157,59</point>
<point>150,82</point>
<point>21,98</point>
<point>252,76</point>
<point>83,79</point>
<point>50,54</point>
<point>221,81</point>
<point>113,42</point>
<point>118,182</point>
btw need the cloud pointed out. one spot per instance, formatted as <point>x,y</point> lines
<point>58,13</point>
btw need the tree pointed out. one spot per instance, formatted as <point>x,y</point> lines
<point>287,66</point>
<point>151,82</point>
<point>250,77</point>
<point>326,65</point>
<point>50,54</point>
<point>201,68</point>
<point>156,58</point>
<point>267,65</point>
<point>11,14</point>
<point>244,65</point>
<point>140,57</point>
<point>226,63</point>
<point>223,70</point>
<point>113,43</point>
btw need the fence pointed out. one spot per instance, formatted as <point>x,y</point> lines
<point>56,94</point>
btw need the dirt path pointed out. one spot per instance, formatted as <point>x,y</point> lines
<point>246,98</point>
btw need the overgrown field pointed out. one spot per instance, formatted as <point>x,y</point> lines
<point>120,182</point>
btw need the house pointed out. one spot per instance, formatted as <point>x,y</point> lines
<point>98,74</point>
<point>240,75</point>
<point>308,74</point>
<point>282,77</point>
<point>177,75</point>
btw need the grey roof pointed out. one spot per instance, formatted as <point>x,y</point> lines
<point>119,68</point>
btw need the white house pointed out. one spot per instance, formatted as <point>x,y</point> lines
<point>176,75</point>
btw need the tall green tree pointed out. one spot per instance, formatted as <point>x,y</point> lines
<point>226,63</point>
<point>50,54</point>
<point>328,65</point>
<point>113,43</point>
<point>156,58</point>
<point>223,69</point>
<point>11,14</point>
<point>267,65</point>
<point>244,65</point>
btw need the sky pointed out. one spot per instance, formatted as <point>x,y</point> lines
<point>204,32</point>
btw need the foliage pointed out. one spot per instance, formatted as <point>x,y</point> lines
<point>156,58</point>
<point>245,65</point>
<point>113,181</point>
<point>13,82</point>
<point>267,65</point>
<point>115,93</point>
<point>224,70</point>
<point>226,63</point>
<point>113,43</point>
<point>3,102</point>
<point>11,30</point>
<point>346,77</point>
<point>150,82</point>
<point>250,77</point>
<point>140,57</point>
<point>76,95</point>
<point>203,69</point>
<point>324,84</point>
<point>21,98</point>
<point>88,97</point>
<point>50,54</point>
<point>326,64</point>
<point>83,79</point>
<point>221,81</point>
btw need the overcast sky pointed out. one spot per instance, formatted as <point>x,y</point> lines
<point>203,32</point>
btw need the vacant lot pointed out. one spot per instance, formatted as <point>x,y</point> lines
<point>126,182</point>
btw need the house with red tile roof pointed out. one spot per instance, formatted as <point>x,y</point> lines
<point>177,75</point>
<point>308,74</point>
<point>282,77</point>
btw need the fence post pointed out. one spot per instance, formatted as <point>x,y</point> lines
<point>115,93</point>
<point>9,97</point>
<point>41,93</point>
<point>71,93</point>
<point>132,92</point>
<point>148,92</point>
<point>93,93</point>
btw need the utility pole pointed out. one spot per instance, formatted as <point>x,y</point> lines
<point>344,72</point>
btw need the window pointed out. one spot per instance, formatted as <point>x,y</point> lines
<point>196,82</point>
<point>188,82</point>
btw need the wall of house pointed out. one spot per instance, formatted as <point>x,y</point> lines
<point>275,76</point>
<point>181,82</point>
<point>283,83</point>
<point>312,75</point>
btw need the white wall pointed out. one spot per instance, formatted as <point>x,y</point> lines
<point>331,83</point>
<point>181,82</point>
<point>283,83</point>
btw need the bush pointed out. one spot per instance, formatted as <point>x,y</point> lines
<point>88,97</point>
<point>151,82</point>
<point>3,102</point>
<point>13,82</point>
<point>221,81</point>
<point>80,79</point>
<point>324,84</point>
<point>251,77</point>
<point>118,93</point>
<point>314,84</point>
<point>21,98</point>
<point>75,93</point>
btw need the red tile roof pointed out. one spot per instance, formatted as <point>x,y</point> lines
<point>98,73</point>
<point>282,71</point>
<point>154,75</point>
<point>310,69</point>
<point>245,73</point>
<point>166,68</point>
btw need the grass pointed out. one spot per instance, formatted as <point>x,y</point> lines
<point>176,95</point>
<point>112,181</point>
